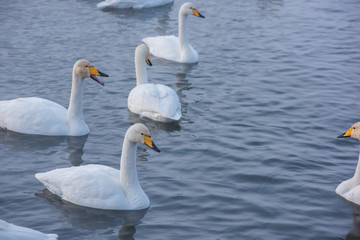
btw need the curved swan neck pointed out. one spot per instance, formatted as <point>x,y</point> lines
<point>128,174</point>
<point>75,106</point>
<point>140,67</point>
<point>357,171</point>
<point>183,35</point>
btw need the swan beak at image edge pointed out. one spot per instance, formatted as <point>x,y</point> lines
<point>196,13</point>
<point>147,60</point>
<point>94,72</point>
<point>148,141</point>
<point>346,134</point>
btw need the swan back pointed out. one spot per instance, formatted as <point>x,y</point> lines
<point>10,231</point>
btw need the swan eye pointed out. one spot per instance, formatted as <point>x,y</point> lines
<point>353,127</point>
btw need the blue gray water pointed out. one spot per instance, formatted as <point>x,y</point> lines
<point>255,155</point>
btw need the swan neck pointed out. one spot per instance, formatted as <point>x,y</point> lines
<point>183,35</point>
<point>128,174</point>
<point>141,72</point>
<point>75,106</point>
<point>357,171</point>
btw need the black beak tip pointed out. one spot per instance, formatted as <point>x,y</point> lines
<point>341,136</point>
<point>155,148</point>
<point>103,74</point>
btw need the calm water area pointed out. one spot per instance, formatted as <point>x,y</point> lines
<point>255,155</point>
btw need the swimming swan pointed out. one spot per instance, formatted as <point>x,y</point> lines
<point>154,101</point>
<point>35,115</point>
<point>174,48</point>
<point>10,231</point>
<point>350,189</point>
<point>136,4</point>
<point>103,187</point>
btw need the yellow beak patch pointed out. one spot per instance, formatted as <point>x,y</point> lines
<point>94,71</point>
<point>348,132</point>
<point>196,12</point>
<point>148,62</point>
<point>148,141</point>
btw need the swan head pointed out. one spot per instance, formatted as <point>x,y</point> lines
<point>189,9</point>
<point>142,52</point>
<point>139,133</point>
<point>85,69</point>
<point>354,131</point>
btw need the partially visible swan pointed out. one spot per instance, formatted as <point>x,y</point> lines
<point>10,231</point>
<point>103,187</point>
<point>136,4</point>
<point>350,189</point>
<point>174,48</point>
<point>155,101</point>
<point>39,116</point>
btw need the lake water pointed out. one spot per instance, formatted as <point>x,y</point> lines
<point>255,155</point>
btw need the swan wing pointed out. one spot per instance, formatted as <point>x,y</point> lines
<point>33,116</point>
<point>10,231</point>
<point>137,4</point>
<point>166,47</point>
<point>95,186</point>
<point>155,101</point>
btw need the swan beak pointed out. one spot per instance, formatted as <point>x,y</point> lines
<point>94,72</point>
<point>147,60</point>
<point>196,13</point>
<point>148,141</point>
<point>347,133</point>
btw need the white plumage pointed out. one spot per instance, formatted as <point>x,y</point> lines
<point>136,4</point>
<point>350,189</point>
<point>103,187</point>
<point>154,101</point>
<point>35,115</point>
<point>174,48</point>
<point>10,231</point>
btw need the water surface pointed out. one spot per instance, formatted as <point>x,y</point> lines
<point>255,155</point>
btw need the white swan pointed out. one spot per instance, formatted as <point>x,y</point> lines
<point>102,187</point>
<point>154,101</point>
<point>39,116</point>
<point>174,48</point>
<point>350,189</point>
<point>10,231</point>
<point>136,4</point>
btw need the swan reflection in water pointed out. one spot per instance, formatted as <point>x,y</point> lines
<point>17,142</point>
<point>354,234</point>
<point>91,218</point>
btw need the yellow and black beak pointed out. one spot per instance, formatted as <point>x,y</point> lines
<point>147,60</point>
<point>148,141</point>
<point>94,72</point>
<point>197,13</point>
<point>347,133</point>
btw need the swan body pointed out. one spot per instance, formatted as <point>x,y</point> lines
<point>136,4</point>
<point>10,231</point>
<point>173,48</point>
<point>35,115</point>
<point>155,101</point>
<point>350,189</point>
<point>102,187</point>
